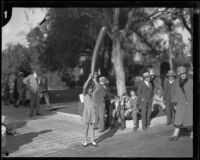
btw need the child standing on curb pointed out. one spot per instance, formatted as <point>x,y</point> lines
<point>89,111</point>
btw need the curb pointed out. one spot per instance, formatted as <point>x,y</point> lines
<point>129,123</point>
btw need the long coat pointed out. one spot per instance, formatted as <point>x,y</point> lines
<point>168,88</point>
<point>184,108</point>
<point>145,92</point>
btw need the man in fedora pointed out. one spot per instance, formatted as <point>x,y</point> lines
<point>99,98</point>
<point>168,94</point>
<point>145,95</point>
<point>32,84</point>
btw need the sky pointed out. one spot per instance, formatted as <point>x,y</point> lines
<point>19,25</point>
<point>16,29</point>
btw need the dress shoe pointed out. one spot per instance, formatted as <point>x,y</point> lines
<point>144,129</point>
<point>173,138</point>
<point>85,144</point>
<point>93,143</point>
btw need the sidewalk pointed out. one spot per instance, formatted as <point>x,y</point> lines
<point>52,132</point>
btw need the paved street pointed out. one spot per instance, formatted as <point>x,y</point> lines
<point>61,134</point>
<point>152,143</point>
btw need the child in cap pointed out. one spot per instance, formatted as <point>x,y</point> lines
<point>158,99</point>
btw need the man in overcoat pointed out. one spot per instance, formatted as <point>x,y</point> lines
<point>183,96</point>
<point>168,94</point>
<point>145,95</point>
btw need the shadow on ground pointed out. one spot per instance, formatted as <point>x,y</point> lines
<point>15,142</point>
<point>111,132</point>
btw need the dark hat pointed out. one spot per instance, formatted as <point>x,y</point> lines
<point>170,73</point>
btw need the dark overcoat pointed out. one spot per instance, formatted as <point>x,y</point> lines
<point>184,108</point>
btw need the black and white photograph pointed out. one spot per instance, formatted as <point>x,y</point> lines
<point>98,81</point>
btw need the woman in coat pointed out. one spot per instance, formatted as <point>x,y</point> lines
<point>183,98</point>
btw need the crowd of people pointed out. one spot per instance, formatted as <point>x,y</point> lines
<point>100,109</point>
<point>27,91</point>
<point>174,97</point>
<point>24,87</point>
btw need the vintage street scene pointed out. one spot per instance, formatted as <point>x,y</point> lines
<point>97,82</point>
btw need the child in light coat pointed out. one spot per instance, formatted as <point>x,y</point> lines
<point>158,99</point>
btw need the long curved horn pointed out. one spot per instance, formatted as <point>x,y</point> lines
<point>96,48</point>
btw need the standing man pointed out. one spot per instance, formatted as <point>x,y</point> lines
<point>33,86</point>
<point>155,81</point>
<point>168,94</point>
<point>20,90</point>
<point>44,88</point>
<point>99,97</point>
<point>107,103</point>
<point>145,95</point>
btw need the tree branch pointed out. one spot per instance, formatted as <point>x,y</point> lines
<point>144,39</point>
<point>185,23</point>
<point>128,24</point>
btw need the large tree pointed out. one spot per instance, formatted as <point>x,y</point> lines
<point>70,30</point>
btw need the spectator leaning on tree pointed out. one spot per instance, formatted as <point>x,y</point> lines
<point>183,98</point>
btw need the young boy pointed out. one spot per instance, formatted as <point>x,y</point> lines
<point>133,104</point>
<point>158,99</point>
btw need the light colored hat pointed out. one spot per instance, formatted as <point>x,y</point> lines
<point>146,75</point>
<point>152,72</point>
<point>20,73</point>
<point>181,70</point>
<point>170,73</point>
<point>102,79</point>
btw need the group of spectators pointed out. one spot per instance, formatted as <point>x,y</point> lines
<point>25,88</point>
<point>27,91</point>
<point>174,97</point>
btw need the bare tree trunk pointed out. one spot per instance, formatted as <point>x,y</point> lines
<point>170,52</point>
<point>119,68</point>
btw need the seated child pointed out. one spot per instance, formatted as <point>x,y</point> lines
<point>158,99</point>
